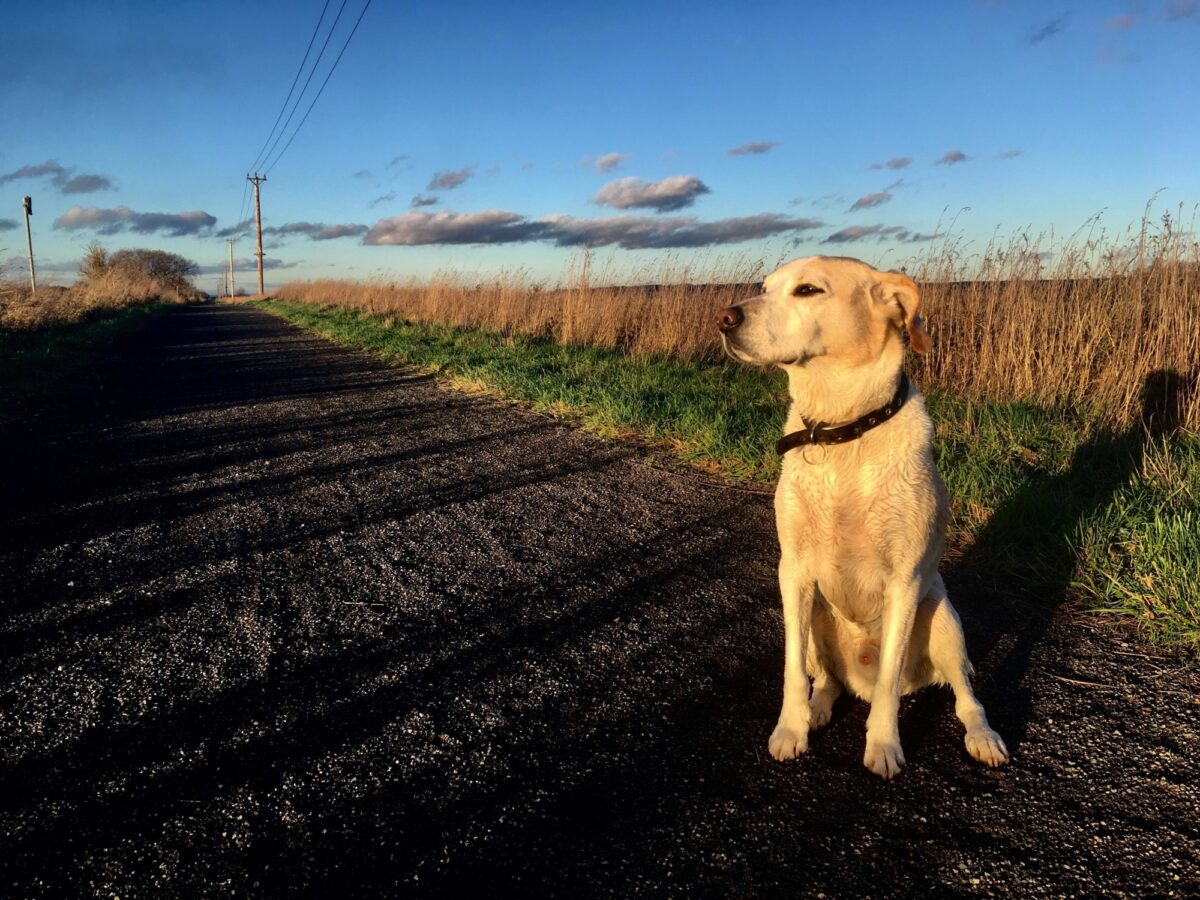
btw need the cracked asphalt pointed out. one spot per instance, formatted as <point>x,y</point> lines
<point>278,619</point>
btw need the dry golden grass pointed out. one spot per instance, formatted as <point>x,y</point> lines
<point>101,286</point>
<point>1085,332</point>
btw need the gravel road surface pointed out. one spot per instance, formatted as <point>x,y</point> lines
<point>278,619</point>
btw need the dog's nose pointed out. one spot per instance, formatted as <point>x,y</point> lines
<point>730,318</point>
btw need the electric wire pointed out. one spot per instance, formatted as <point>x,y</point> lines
<point>283,108</point>
<point>307,81</point>
<point>321,89</point>
<point>287,100</point>
<point>242,208</point>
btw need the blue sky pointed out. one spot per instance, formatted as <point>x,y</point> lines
<point>546,127</point>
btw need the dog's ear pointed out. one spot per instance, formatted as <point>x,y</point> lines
<point>901,295</point>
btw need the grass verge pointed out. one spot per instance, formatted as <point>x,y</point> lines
<point>1071,509</point>
<point>36,362</point>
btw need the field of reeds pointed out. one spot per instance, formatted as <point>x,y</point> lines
<point>1087,329</point>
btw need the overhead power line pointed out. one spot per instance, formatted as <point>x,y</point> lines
<point>295,81</point>
<point>321,89</point>
<point>307,81</point>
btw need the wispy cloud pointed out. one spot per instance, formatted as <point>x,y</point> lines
<point>396,160</point>
<point>950,157</point>
<point>122,218</point>
<point>867,201</point>
<point>1048,30</point>
<point>1179,9</point>
<point>50,167</point>
<point>629,232</point>
<point>491,226</point>
<point>877,199</point>
<point>1121,23</point>
<point>8,224</point>
<point>83,184</point>
<point>896,162</point>
<point>880,233</point>
<point>317,231</point>
<point>859,232</point>
<point>61,178</point>
<point>242,227</point>
<point>610,161</point>
<point>449,179</point>
<point>423,200</point>
<point>650,233</point>
<point>246,262</point>
<point>667,195</point>
<point>363,174</point>
<point>386,198</point>
<point>754,148</point>
<point>1009,154</point>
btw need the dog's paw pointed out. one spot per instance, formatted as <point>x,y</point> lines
<point>821,707</point>
<point>987,747</point>
<point>884,758</point>
<point>787,742</point>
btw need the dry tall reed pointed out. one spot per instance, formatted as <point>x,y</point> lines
<point>1085,332</point>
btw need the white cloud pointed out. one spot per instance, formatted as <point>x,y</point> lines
<point>122,218</point>
<point>629,232</point>
<point>447,180</point>
<point>491,226</point>
<point>610,161</point>
<point>667,195</point>
<point>317,231</point>
<point>950,157</point>
<point>648,232</point>
<point>754,148</point>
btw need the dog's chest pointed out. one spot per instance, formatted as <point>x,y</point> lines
<point>841,520</point>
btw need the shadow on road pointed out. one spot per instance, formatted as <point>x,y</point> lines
<point>1042,521</point>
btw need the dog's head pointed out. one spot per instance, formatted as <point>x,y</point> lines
<point>824,306</point>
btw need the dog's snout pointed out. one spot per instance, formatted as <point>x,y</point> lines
<point>730,318</point>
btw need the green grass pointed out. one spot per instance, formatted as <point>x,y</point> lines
<point>37,362</point>
<point>1071,511</point>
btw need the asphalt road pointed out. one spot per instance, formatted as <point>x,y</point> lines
<point>278,619</point>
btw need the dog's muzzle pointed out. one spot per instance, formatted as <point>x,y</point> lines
<point>730,318</point>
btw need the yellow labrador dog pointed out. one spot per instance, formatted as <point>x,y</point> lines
<point>860,507</point>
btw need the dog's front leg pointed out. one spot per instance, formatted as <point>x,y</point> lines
<point>884,755</point>
<point>797,587</point>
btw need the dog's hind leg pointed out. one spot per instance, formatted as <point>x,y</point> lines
<point>826,688</point>
<point>948,654</point>
<point>798,588</point>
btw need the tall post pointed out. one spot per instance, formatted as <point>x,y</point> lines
<point>28,203</point>
<point>258,224</point>
<point>231,287</point>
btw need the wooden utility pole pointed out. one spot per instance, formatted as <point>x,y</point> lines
<point>231,289</point>
<point>258,224</point>
<point>28,203</point>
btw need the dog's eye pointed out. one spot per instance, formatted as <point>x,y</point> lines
<point>806,290</point>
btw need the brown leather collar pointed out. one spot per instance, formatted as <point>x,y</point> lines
<point>824,433</point>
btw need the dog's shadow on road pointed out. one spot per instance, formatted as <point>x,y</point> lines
<point>1007,618</point>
